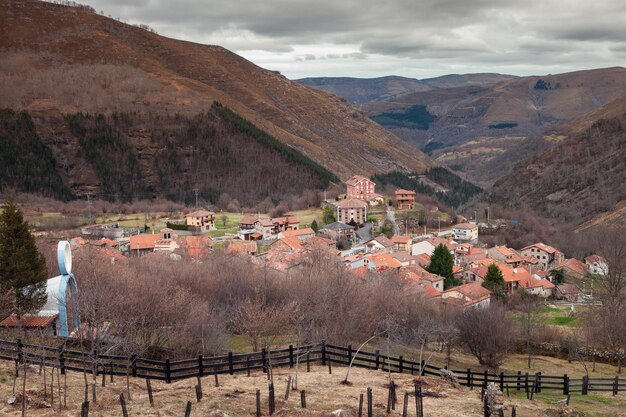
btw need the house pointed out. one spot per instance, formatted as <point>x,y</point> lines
<point>572,268</point>
<point>289,243</point>
<point>405,258</point>
<point>39,325</point>
<point>465,232</point>
<point>164,241</point>
<point>382,261</point>
<point>255,228</point>
<point>537,285</point>
<point>338,231</point>
<point>597,265</point>
<point>242,247</point>
<point>360,188</point>
<point>201,220</point>
<point>428,246</point>
<point>196,246</point>
<point>352,210</point>
<point>568,292</point>
<point>401,243</point>
<point>476,274</point>
<point>405,199</point>
<point>302,234</point>
<point>379,244</point>
<point>434,280</point>
<point>472,295</point>
<point>505,255</point>
<point>547,255</point>
<point>140,244</point>
<point>513,276</point>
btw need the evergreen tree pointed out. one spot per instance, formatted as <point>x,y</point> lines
<point>494,280</point>
<point>441,263</point>
<point>23,270</point>
<point>328,215</point>
<point>558,276</point>
<point>315,226</point>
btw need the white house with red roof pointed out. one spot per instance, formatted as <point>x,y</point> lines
<point>465,232</point>
<point>472,295</point>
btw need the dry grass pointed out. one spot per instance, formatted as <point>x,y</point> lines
<point>324,392</point>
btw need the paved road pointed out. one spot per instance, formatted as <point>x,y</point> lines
<point>391,216</point>
<point>365,233</point>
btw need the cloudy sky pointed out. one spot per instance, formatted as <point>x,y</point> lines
<point>412,38</point>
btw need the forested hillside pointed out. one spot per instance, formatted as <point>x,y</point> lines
<point>578,178</point>
<point>57,60</point>
<point>127,156</point>
<point>26,162</point>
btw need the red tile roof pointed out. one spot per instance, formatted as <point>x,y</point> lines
<point>356,179</point>
<point>401,239</point>
<point>543,247</point>
<point>472,291</point>
<point>464,226</point>
<point>200,213</point>
<point>138,242</point>
<point>298,232</point>
<point>573,265</point>
<point>402,191</point>
<point>351,203</point>
<point>29,321</point>
<point>384,260</point>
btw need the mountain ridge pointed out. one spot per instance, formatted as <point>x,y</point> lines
<point>363,90</point>
<point>113,66</point>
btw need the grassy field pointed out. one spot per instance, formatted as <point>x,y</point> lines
<point>324,393</point>
<point>557,316</point>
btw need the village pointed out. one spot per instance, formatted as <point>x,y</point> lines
<point>350,234</point>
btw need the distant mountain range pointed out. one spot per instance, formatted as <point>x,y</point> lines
<point>482,131</point>
<point>57,60</point>
<point>580,179</point>
<point>365,90</point>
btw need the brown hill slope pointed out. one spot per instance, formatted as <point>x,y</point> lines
<point>580,179</point>
<point>364,90</point>
<point>58,58</point>
<point>477,128</point>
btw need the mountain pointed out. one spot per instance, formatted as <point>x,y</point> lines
<point>579,180</point>
<point>482,131</point>
<point>57,60</point>
<point>364,90</point>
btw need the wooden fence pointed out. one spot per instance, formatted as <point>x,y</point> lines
<point>321,354</point>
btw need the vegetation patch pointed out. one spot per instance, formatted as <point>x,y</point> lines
<point>503,125</point>
<point>26,163</point>
<point>415,117</point>
<point>458,191</point>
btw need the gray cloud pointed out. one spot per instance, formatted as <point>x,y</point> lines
<point>419,38</point>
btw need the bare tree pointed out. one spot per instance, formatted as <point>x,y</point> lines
<point>487,333</point>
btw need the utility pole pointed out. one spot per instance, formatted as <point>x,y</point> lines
<point>195,190</point>
<point>488,216</point>
<point>439,221</point>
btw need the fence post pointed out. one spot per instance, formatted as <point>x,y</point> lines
<point>168,371</point>
<point>485,379</point>
<point>149,388</point>
<point>230,363</point>
<point>123,404</point>
<point>469,378</point>
<point>264,359</point>
<point>565,385</point>
<point>188,409</point>
<point>518,380</point>
<point>616,385</point>
<point>401,364</point>
<point>538,382</point>
<point>84,410</point>
<point>200,365</point>
<point>377,359</point>
<point>323,352</point>
<point>291,356</point>
<point>370,404</point>
<point>502,381</point>
<point>303,398</point>
<point>585,384</point>
<point>258,403</point>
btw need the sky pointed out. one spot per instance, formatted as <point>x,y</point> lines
<point>411,38</point>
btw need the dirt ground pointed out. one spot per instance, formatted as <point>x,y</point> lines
<point>235,396</point>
